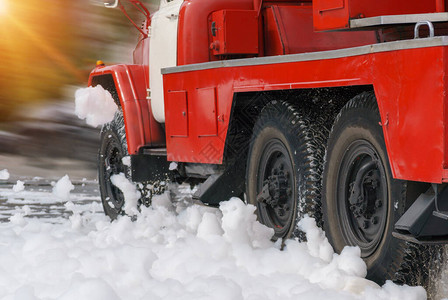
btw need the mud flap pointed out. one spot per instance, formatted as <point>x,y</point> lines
<point>420,223</point>
<point>221,187</point>
<point>149,168</point>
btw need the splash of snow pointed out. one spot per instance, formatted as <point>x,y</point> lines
<point>63,187</point>
<point>130,192</point>
<point>126,161</point>
<point>19,186</point>
<point>4,174</point>
<point>95,104</point>
<point>173,166</point>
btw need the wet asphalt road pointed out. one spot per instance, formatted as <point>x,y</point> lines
<point>37,199</point>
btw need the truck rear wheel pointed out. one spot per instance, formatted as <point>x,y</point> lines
<point>361,199</point>
<point>284,167</point>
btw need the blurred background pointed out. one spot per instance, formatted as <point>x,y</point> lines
<point>47,49</point>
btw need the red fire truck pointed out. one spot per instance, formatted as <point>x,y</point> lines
<point>333,108</point>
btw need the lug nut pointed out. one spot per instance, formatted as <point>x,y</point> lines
<point>374,220</point>
<point>378,203</point>
<point>365,225</point>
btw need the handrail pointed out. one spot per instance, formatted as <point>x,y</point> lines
<point>138,5</point>
<point>109,5</point>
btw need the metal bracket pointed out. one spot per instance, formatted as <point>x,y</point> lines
<point>417,28</point>
<point>110,5</point>
<point>139,6</point>
<point>437,212</point>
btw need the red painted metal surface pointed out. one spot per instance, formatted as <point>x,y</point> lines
<point>234,32</point>
<point>131,83</point>
<point>408,84</point>
<point>440,5</point>
<point>193,31</point>
<point>289,29</point>
<point>179,112</point>
<point>336,14</point>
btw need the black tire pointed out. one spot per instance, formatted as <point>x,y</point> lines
<point>112,150</point>
<point>361,201</point>
<point>285,158</point>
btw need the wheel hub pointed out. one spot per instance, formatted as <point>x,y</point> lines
<point>275,197</point>
<point>113,165</point>
<point>362,195</point>
<point>275,192</point>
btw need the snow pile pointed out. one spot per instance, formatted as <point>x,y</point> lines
<point>19,186</point>
<point>177,252</point>
<point>63,188</point>
<point>95,104</point>
<point>4,174</point>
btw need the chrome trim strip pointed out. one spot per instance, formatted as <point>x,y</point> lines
<point>332,54</point>
<point>155,151</point>
<point>398,19</point>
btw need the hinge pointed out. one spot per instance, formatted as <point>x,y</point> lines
<point>386,122</point>
<point>172,16</point>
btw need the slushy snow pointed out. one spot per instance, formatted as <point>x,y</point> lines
<point>63,188</point>
<point>4,174</point>
<point>95,104</point>
<point>176,251</point>
<point>19,186</point>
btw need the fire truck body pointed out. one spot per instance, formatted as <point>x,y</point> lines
<point>416,152</point>
<point>215,84</point>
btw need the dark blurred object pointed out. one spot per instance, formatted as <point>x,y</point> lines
<point>51,131</point>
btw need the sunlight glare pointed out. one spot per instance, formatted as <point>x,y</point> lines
<point>3,7</point>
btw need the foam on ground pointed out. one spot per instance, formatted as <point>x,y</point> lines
<point>175,251</point>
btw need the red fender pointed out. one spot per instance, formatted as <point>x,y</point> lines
<point>130,83</point>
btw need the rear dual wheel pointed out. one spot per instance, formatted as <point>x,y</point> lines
<point>283,170</point>
<point>361,201</point>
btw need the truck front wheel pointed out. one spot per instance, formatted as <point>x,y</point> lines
<point>113,149</point>
<point>284,167</point>
<point>361,199</point>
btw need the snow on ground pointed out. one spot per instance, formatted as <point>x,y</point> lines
<point>95,104</point>
<point>63,187</point>
<point>173,250</point>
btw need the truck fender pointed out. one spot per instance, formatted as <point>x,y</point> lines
<point>128,86</point>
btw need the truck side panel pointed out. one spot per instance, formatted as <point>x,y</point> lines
<point>409,85</point>
<point>410,88</point>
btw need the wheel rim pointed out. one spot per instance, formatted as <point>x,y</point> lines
<point>362,197</point>
<point>275,188</point>
<point>113,165</point>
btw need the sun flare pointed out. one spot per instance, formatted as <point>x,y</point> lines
<point>3,7</point>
